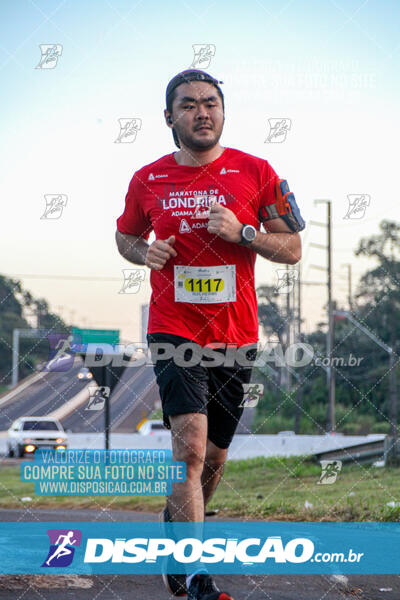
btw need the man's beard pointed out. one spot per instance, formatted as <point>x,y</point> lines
<point>198,144</point>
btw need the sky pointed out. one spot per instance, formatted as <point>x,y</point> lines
<point>330,68</point>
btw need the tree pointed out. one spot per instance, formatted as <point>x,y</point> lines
<point>365,392</point>
<point>15,304</point>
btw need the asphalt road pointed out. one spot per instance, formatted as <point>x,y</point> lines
<point>42,397</point>
<point>144,587</point>
<point>132,399</point>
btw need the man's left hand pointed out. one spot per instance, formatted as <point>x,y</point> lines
<point>224,223</point>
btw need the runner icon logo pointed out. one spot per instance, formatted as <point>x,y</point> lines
<point>128,129</point>
<point>132,280</point>
<point>330,471</point>
<point>62,542</point>
<point>252,394</point>
<point>358,204</point>
<point>55,204</point>
<point>50,53</point>
<point>203,54</point>
<point>278,130</point>
<point>286,280</point>
<point>97,399</point>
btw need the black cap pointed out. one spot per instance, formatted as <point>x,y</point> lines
<point>188,76</point>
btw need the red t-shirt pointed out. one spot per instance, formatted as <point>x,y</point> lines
<point>211,304</point>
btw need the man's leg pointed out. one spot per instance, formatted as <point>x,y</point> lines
<point>224,409</point>
<point>213,469</point>
<point>189,441</point>
<point>184,391</point>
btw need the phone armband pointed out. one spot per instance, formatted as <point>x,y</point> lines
<point>285,206</point>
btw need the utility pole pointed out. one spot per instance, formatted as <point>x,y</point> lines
<point>331,420</point>
<point>288,326</point>
<point>300,338</point>
<point>393,396</point>
<point>349,286</point>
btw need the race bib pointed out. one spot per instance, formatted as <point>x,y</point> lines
<point>205,285</point>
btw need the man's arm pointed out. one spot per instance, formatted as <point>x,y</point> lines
<point>279,244</point>
<point>135,249</point>
<point>132,247</point>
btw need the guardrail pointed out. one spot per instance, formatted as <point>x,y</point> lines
<point>386,449</point>
<point>367,452</point>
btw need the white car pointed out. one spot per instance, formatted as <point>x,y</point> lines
<point>152,427</point>
<point>27,434</point>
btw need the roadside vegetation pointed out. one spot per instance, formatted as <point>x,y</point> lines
<point>259,488</point>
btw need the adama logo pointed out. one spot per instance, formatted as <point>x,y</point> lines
<point>184,227</point>
<point>224,171</point>
<point>153,177</point>
<point>62,542</point>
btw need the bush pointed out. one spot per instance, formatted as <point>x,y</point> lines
<point>350,429</point>
<point>308,427</point>
<point>360,425</point>
<point>381,427</point>
<point>265,424</point>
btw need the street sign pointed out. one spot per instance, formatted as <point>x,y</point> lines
<point>33,333</point>
<point>93,336</point>
<point>106,375</point>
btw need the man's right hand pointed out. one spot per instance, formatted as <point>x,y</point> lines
<point>159,252</point>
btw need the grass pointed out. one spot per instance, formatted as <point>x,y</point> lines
<point>4,389</point>
<point>259,488</point>
<point>156,415</point>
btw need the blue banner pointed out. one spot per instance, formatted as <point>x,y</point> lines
<point>119,472</point>
<point>223,547</point>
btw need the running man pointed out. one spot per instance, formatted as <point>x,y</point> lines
<point>205,204</point>
<point>62,549</point>
<point>63,345</point>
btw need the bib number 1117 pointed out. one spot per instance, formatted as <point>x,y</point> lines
<point>204,285</point>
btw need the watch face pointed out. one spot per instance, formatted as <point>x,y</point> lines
<point>249,233</point>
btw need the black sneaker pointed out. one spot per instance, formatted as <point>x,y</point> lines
<point>175,584</point>
<point>202,587</point>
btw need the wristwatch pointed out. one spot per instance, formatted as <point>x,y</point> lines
<point>248,234</point>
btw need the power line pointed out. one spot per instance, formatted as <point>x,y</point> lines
<point>63,277</point>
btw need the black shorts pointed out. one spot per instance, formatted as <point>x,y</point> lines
<point>213,391</point>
